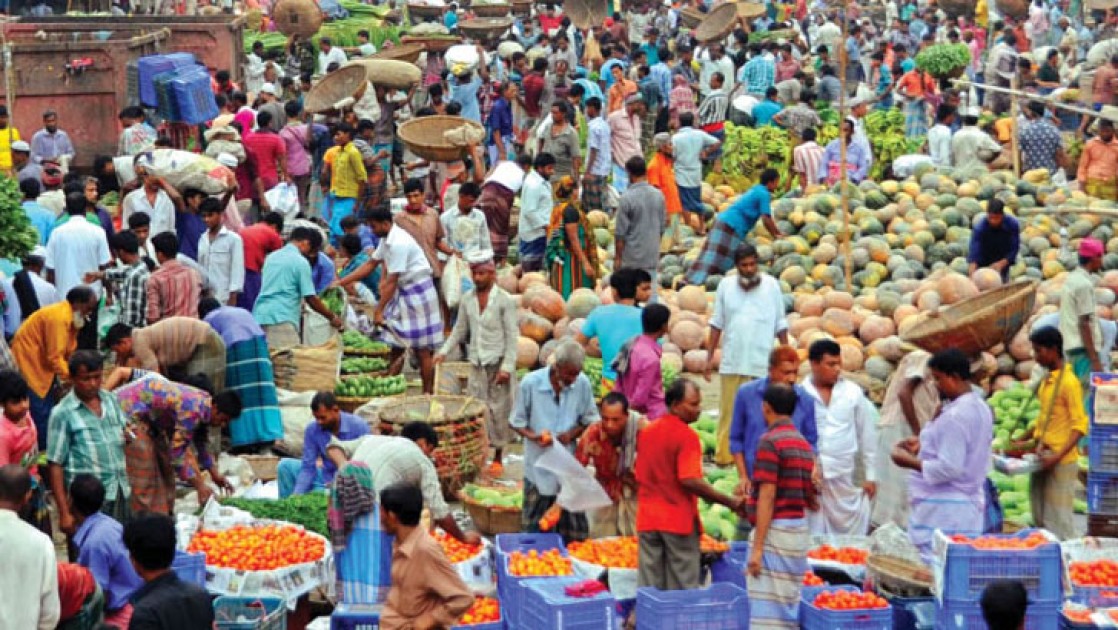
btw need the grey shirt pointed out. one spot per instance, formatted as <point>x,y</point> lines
<point>564,147</point>
<point>279,116</point>
<point>640,223</point>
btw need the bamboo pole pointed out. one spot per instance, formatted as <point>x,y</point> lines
<point>1047,100</point>
<point>848,270</point>
<point>1013,112</point>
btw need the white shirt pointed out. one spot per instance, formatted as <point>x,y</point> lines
<point>335,55</point>
<point>939,144</point>
<point>829,34</point>
<point>402,255</point>
<point>29,581</point>
<point>368,108</point>
<point>535,207</point>
<point>844,426</point>
<point>44,292</point>
<point>749,322</point>
<point>966,145</point>
<point>223,263</point>
<point>75,248</point>
<point>468,233</point>
<point>254,73</point>
<point>162,212</point>
<point>508,174</point>
<point>725,65</point>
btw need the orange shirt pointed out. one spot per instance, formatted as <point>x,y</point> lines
<point>662,176</point>
<point>618,93</point>
<point>668,452</point>
<point>912,86</point>
<point>1099,161</point>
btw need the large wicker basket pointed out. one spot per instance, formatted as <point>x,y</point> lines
<point>424,11</point>
<point>492,519</point>
<point>264,467</point>
<point>957,8</point>
<point>431,43</point>
<point>522,8</point>
<point>342,83</point>
<point>424,136</point>
<point>408,53</point>
<point>750,10</point>
<point>978,323</point>
<point>463,434</point>
<point>690,17</point>
<point>1016,9</point>
<point>585,13</point>
<point>297,17</point>
<point>497,9</point>
<point>390,73</point>
<point>718,23</point>
<point>485,27</point>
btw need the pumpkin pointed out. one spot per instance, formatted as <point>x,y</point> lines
<point>581,302</point>
<point>890,348</point>
<point>809,305</point>
<point>876,327</point>
<point>534,327</point>
<point>955,287</point>
<point>803,324</point>
<point>903,312</point>
<point>529,279</point>
<point>695,361</point>
<point>838,299</point>
<point>1020,348</point>
<point>852,357</point>
<point>546,302</point>
<point>838,322</point>
<point>986,279</point>
<point>692,298</point>
<point>560,328</point>
<point>508,281</point>
<point>527,353</point>
<point>687,335</point>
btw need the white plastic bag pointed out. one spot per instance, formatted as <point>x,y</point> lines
<point>284,199</point>
<point>456,280</point>
<point>579,491</point>
<point>462,58</point>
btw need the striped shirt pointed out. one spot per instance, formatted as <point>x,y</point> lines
<point>712,113</point>
<point>806,159</point>
<point>81,442</point>
<point>784,458</point>
<point>131,284</point>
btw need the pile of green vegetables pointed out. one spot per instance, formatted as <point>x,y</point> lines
<point>749,150</point>
<point>363,365</point>
<point>17,236</point>
<point>343,32</point>
<point>592,368</point>
<point>371,386</point>
<point>308,510</point>
<point>355,341</point>
<point>334,299</point>
<point>885,129</point>
<point>943,60</point>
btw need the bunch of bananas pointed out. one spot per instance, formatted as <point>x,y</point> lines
<point>749,150</point>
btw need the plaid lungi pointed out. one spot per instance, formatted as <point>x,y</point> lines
<point>717,255</point>
<point>594,193</point>
<point>147,460</point>
<point>571,525</point>
<point>281,336</point>
<point>774,596</point>
<point>915,119</point>
<point>209,359</point>
<point>248,372</point>
<point>415,317</point>
<point>1102,188</point>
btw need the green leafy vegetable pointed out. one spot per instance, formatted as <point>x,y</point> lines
<point>17,236</point>
<point>308,510</point>
<point>943,60</point>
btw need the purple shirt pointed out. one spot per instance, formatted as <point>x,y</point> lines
<point>315,441</point>
<point>234,325</point>
<point>101,550</point>
<point>298,160</point>
<point>955,452</point>
<point>642,383</point>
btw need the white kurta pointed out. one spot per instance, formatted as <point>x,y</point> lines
<point>845,426</point>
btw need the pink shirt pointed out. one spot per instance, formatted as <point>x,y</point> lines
<point>641,383</point>
<point>266,147</point>
<point>298,161</point>
<point>18,443</point>
<point>624,136</point>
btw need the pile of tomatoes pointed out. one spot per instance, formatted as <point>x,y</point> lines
<point>849,600</point>
<point>712,545</point>
<point>484,610</point>
<point>810,579</point>
<point>1002,543</point>
<point>615,553</point>
<point>261,548</point>
<point>1096,573</point>
<point>456,551</point>
<point>1078,615</point>
<point>842,555</point>
<point>535,563</point>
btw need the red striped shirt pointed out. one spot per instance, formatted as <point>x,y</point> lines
<point>785,458</point>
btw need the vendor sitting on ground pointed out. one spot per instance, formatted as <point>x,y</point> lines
<point>295,477</point>
<point>611,447</point>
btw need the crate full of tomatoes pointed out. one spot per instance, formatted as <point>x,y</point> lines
<point>967,564</point>
<point>472,562</point>
<point>844,608</point>
<point>843,554</point>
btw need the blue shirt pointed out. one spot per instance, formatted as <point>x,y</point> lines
<point>465,94</point>
<point>538,409</point>
<point>323,272</point>
<point>41,219</point>
<point>652,55</point>
<point>749,424</point>
<point>500,121</point>
<point>858,160</point>
<point>908,65</point>
<point>190,228</point>
<point>918,29</point>
<point>747,209</point>
<point>315,441</point>
<point>102,551</point>
<point>590,89</point>
<point>285,280</point>
<point>764,111</point>
<point>661,73</point>
<point>234,324</point>
<point>369,239</point>
<point>450,20</point>
<point>613,325</point>
<point>988,245</point>
<point>606,72</point>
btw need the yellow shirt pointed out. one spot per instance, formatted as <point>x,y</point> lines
<point>6,140</point>
<point>1068,413</point>
<point>347,172</point>
<point>1004,128</point>
<point>43,344</point>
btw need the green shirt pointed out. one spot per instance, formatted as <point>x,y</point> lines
<point>81,442</point>
<point>285,280</point>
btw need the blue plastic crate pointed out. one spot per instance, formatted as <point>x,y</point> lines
<point>812,618</point>
<point>913,613</point>
<point>546,606</point>
<point>717,607</point>
<point>355,617</point>
<point>365,565</point>
<point>968,616</point>
<point>190,567</point>
<point>730,568</point>
<point>968,570</point>
<point>1103,454</point>
<point>508,543</point>
<point>1102,491</point>
<point>509,589</point>
<point>1092,596</point>
<point>265,613</point>
<point>194,100</point>
<point>147,68</point>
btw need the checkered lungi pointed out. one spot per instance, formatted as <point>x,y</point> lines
<point>209,359</point>
<point>150,474</point>
<point>594,193</point>
<point>415,317</point>
<point>717,255</point>
<point>915,119</point>
<point>249,373</point>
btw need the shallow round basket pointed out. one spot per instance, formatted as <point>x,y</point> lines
<point>425,11</point>
<point>750,10</point>
<point>522,8</point>
<point>297,17</point>
<point>424,136</point>
<point>431,43</point>
<point>691,17</point>
<point>497,9</point>
<point>408,53</point>
<point>585,13</point>
<point>978,323</point>
<point>485,27</point>
<point>399,75</point>
<point>957,8</point>
<point>491,519</point>
<point>461,427</point>
<point>1016,9</point>
<point>342,83</point>
<point>718,23</point>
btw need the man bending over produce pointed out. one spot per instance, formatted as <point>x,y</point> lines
<point>329,422</point>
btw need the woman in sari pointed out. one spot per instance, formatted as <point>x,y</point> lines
<point>572,254</point>
<point>360,275</point>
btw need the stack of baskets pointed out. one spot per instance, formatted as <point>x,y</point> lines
<point>460,424</point>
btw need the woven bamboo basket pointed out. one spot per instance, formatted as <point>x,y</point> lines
<point>585,13</point>
<point>422,10</point>
<point>718,23</point>
<point>750,10</point>
<point>1016,9</point>
<point>424,136</point>
<point>342,83</point>
<point>297,17</point>
<point>492,519</point>
<point>898,576</point>
<point>522,8</point>
<point>690,18</point>
<point>463,435</point>
<point>408,53</point>
<point>494,10</point>
<point>485,27</point>
<point>390,73</point>
<point>432,44</point>
<point>263,467</point>
<point>957,8</point>
<point>978,323</point>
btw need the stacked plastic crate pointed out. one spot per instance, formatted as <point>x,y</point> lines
<point>1102,476</point>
